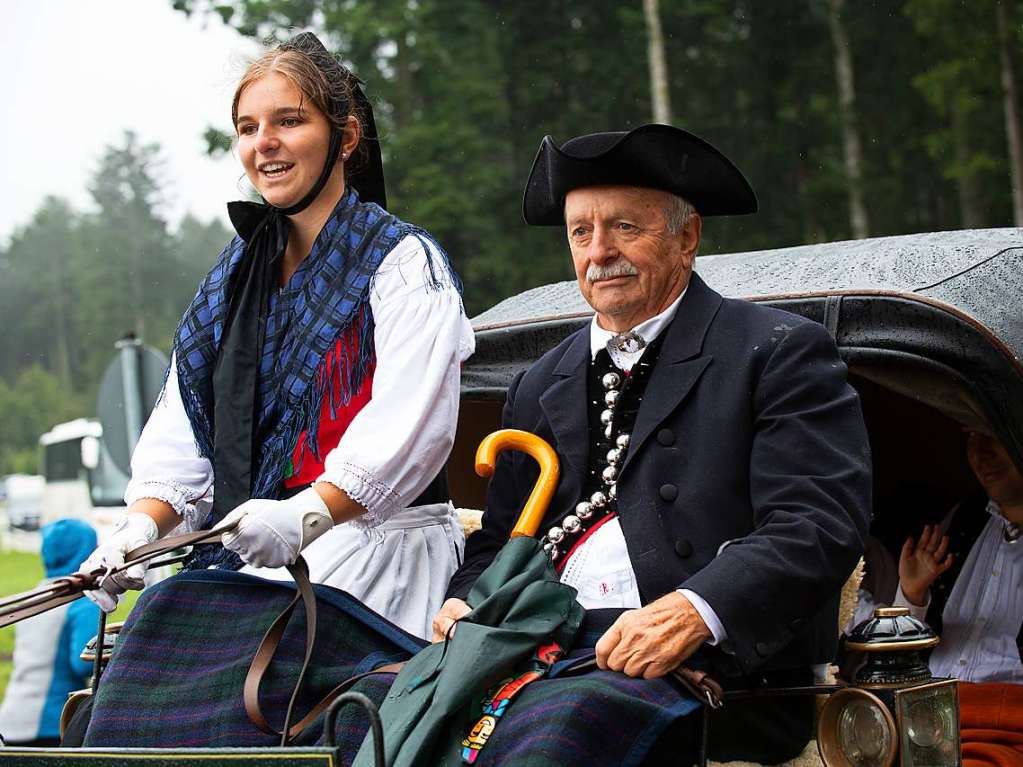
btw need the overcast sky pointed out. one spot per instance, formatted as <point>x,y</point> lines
<point>78,73</point>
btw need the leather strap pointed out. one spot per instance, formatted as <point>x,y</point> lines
<point>698,683</point>
<point>701,685</point>
<point>71,587</point>
<point>267,649</point>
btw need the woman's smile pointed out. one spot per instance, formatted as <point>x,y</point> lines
<point>275,170</point>
<point>282,139</point>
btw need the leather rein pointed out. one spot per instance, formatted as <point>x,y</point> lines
<point>71,587</point>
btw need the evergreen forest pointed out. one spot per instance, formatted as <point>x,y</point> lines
<point>851,118</point>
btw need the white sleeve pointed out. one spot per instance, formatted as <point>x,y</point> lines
<point>400,440</point>
<point>917,611</point>
<point>710,618</point>
<point>166,464</point>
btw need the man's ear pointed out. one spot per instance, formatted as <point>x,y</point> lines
<point>691,238</point>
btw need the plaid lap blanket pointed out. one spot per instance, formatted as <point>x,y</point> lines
<point>177,674</point>
<point>178,670</point>
<point>600,718</point>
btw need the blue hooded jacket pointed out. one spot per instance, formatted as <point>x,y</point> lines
<point>47,665</point>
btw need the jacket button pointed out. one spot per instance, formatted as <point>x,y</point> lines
<point>668,493</point>
<point>666,437</point>
<point>683,548</point>
<point>762,649</point>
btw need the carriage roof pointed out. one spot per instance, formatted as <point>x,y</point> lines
<point>934,316</point>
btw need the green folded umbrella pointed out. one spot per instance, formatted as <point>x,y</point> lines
<point>518,606</point>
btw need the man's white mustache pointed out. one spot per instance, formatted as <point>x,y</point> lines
<point>620,268</point>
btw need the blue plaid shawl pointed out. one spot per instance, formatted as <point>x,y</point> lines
<point>333,300</point>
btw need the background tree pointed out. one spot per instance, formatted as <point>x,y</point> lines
<point>73,283</point>
<point>1008,41</point>
<point>464,90</point>
<point>659,80</point>
<point>852,151</point>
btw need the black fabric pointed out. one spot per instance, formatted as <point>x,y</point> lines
<point>368,176</point>
<point>764,730</point>
<point>768,451</point>
<point>237,369</point>
<point>655,156</point>
<point>74,732</point>
<point>435,492</point>
<point>965,527</point>
<point>631,394</point>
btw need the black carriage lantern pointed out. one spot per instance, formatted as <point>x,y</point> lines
<point>896,712</point>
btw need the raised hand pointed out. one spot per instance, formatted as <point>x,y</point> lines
<point>922,563</point>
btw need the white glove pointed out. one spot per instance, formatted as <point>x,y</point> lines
<point>136,529</point>
<point>272,533</point>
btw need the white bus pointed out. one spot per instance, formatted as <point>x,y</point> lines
<point>81,478</point>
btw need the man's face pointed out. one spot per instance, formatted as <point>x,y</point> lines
<point>630,267</point>
<point>994,469</point>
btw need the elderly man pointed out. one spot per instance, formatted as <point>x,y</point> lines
<point>715,485</point>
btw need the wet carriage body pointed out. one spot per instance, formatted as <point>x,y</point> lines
<point>930,326</point>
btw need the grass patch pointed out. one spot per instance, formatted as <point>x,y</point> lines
<point>19,572</point>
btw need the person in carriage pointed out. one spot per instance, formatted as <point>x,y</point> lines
<point>321,351</point>
<point>716,479</point>
<point>962,575</point>
<point>713,498</point>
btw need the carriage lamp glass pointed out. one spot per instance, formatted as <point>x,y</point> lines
<point>863,732</point>
<point>895,712</point>
<point>928,722</point>
<point>856,729</point>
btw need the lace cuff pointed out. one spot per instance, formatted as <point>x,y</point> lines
<point>378,498</point>
<point>168,491</point>
<point>177,496</point>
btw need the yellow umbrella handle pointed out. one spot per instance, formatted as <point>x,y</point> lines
<point>514,439</point>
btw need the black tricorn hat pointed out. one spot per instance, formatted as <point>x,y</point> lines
<point>655,156</point>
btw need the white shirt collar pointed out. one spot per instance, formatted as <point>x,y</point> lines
<point>648,329</point>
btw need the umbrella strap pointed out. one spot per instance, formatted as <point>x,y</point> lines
<point>497,700</point>
<point>267,649</point>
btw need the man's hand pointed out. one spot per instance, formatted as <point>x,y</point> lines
<point>450,613</point>
<point>653,640</point>
<point>920,565</point>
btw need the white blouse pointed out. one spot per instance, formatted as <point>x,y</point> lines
<point>395,445</point>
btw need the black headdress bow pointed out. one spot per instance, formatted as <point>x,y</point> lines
<point>265,231</point>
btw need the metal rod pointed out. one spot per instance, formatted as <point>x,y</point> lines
<point>97,662</point>
<point>769,692</point>
<point>330,723</point>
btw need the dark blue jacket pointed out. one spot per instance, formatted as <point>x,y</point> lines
<point>748,434</point>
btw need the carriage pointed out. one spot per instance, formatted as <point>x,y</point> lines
<point>931,328</point>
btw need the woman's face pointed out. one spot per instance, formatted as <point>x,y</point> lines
<point>282,139</point>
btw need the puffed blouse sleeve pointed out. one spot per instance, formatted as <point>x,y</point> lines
<point>399,441</point>
<point>166,464</point>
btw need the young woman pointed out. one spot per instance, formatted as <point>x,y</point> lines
<point>313,389</point>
